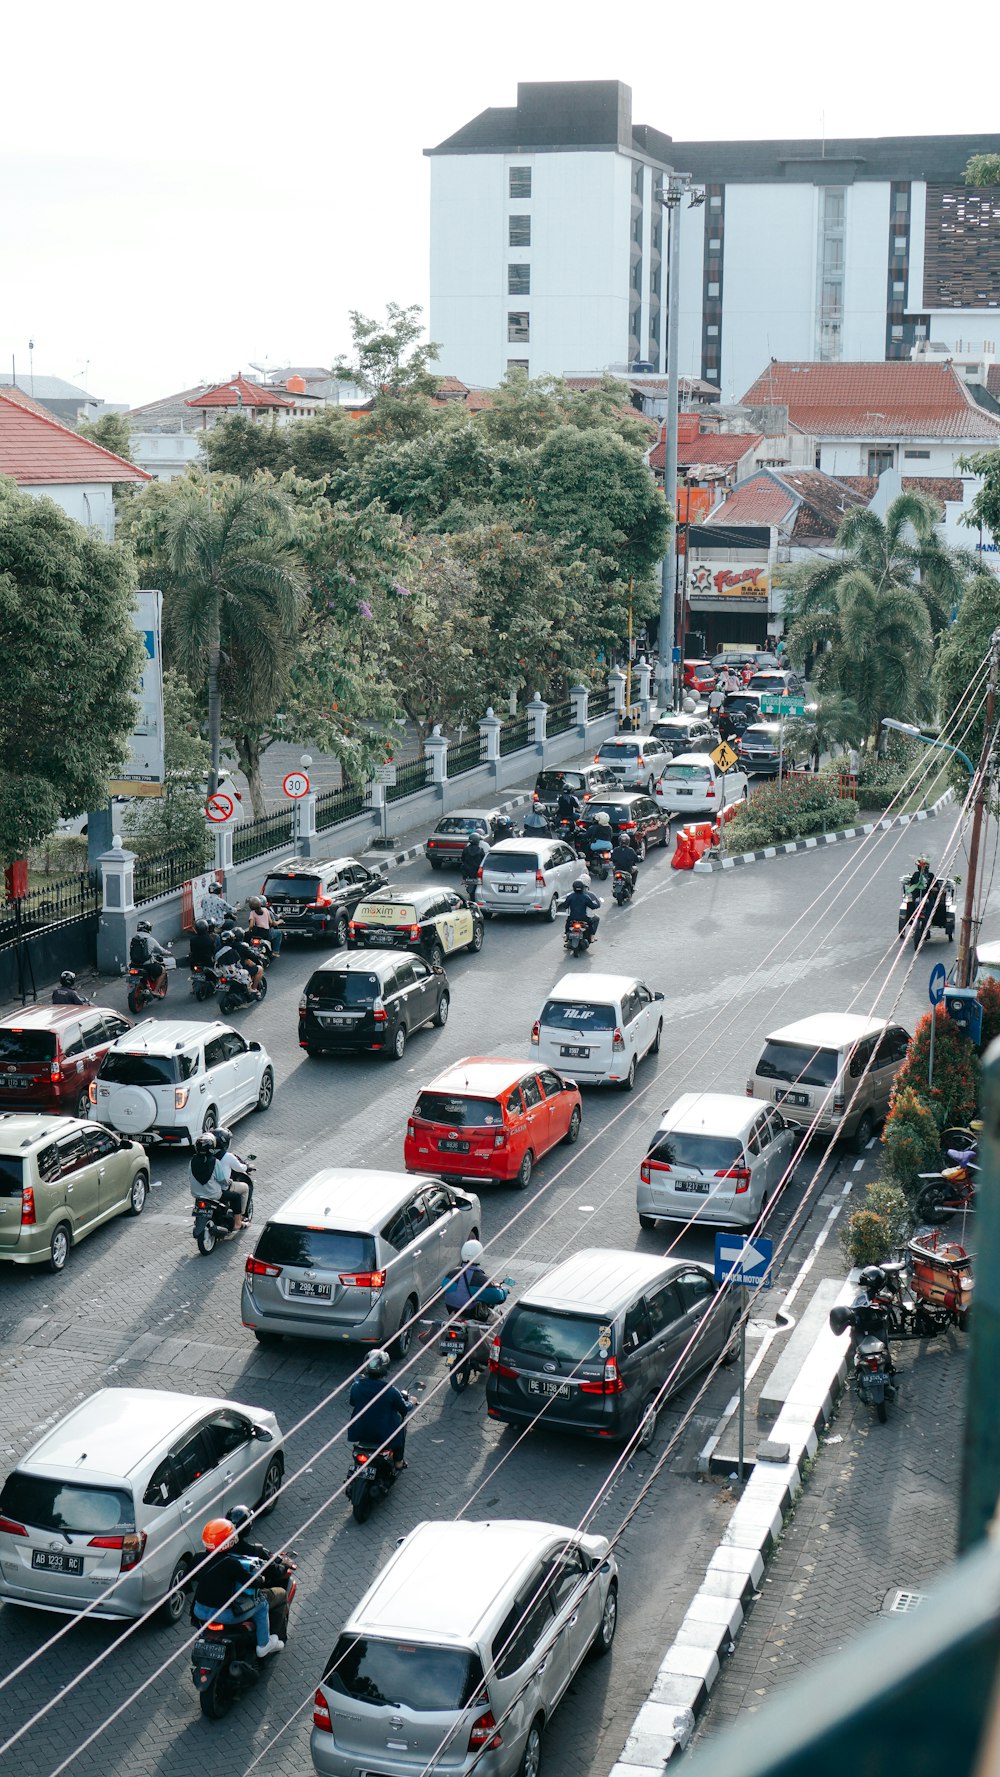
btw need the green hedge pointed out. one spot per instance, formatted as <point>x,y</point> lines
<point>794,809</point>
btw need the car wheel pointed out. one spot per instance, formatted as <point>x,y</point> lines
<point>263,1338</point>
<point>573,1132</point>
<point>340,933</point>
<point>553,908</point>
<point>435,863</point>
<point>210,1121</point>
<point>657,1040</point>
<point>647,1424</point>
<point>172,1609</point>
<point>265,1096</point>
<point>640,849</point>
<point>311,1049</point>
<point>647,1223</point>
<point>398,1043</point>
<point>400,1345</point>
<point>651,786</point>
<point>83,1106</point>
<point>477,937</point>
<point>863,1133</point>
<point>531,1757</point>
<point>524,1171</point>
<point>59,1247</point>
<point>665,840</point>
<point>435,956</point>
<point>628,1084</point>
<point>138,1193</point>
<point>273,1477</point>
<point>441,1015</point>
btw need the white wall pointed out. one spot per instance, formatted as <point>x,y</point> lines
<point>90,503</point>
<point>693,226</point>
<point>849,456</point>
<point>166,454</point>
<point>866,259</point>
<point>769,283</point>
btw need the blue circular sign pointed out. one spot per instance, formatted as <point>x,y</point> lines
<point>937,984</point>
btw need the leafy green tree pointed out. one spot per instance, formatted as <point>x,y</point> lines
<point>240,446</point>
<point>450,470</point>
<point>880,649</point>
<point>985,508</point>
<point>903,549</point>
<point>390,357</point>
<point>592,488</point>
<point>177,817</point>
<point>835,722</point>
<point>69,669</point>
<point>523,411</point>
<point>983,169</point>
<point>954,1095</point>
<point>959,659</point>
<point>110,431</point>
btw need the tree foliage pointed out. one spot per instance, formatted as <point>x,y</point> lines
<point>390,357</point>
<point>954,1095</point>
<point>983,169</point>
<point>111,432</point>
<point>959,661</point>
<point>69,668</point>
<point>985,508</point>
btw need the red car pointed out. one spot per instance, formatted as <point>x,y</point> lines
<point>699,676</point>
<point>491,1119</point>
<point>50,1054</point>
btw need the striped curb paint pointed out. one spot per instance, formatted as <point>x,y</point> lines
<point>417,851</point>
<point>816,841</point>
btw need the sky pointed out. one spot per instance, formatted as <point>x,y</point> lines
<point>193,190</point>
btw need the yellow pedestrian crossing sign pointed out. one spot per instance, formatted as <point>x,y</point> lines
<point>724,756</point>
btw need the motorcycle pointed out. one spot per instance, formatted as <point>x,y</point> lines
<point>142,990</point>
<point>934,907</point>
<point>951,1189</point>
<point>874,1371</point>
<point>624,887</point>
<point>262,946</point>
<point>224,1660</point>
<point>579,937</point>
<point>913,1312</point>
<point>372,1476</point>
<point>465,1343</point>
<point>213,1220</point>
<point>237,990</point>
<point>204,982</point>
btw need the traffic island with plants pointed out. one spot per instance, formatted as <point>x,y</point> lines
<point>794,809</point>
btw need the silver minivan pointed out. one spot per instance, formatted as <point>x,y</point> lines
<point>116,1494</point>
<point>599,1027</point>
<point>815,1070</point>
<point>528,876</point>
<point>717,1159</point>
<point>353,1254</point>
<point>457,1655</point>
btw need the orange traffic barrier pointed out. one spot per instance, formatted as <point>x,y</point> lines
<point>683,858</point>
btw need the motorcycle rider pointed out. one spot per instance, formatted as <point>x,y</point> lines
<point>503,828</point>
<point>596,837</point>
<point>215,908</point>
<point>261,919</point>
<point>241,1519</point>
<point>213,1181</point>
<point>470,864</point>
<point>378,1410</point>
<point>204,944</point>
<point>235,953</point>
<point>626,859</point>
<point>66,993</point>
<point>578,905</point>
<point>230,1576</point>
<point>536,822</point>
<point>567,807</point>
<point>146,954</point>
<point>468,1291</point>
<point>921,879</point>
<point>235,1169</point>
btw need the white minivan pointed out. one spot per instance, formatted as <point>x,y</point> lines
<point>528,876</point>
<point>693,784</point>
<point>599,1027</point>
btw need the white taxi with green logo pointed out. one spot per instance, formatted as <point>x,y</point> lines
<point>433,922</point>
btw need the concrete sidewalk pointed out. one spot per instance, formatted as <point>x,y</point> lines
<point>875,1523</point>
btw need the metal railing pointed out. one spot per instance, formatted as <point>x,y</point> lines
<point>54,904</point>
<point>252,839</point>
<point>163,872</point>
<point>410,778</point>
<point>515,736</point>
<point>338,805</point>
<point>560,718</point>
<point>466,755</point>
<point>599,703</point>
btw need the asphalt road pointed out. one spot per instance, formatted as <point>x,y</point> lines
<point>735,954</point>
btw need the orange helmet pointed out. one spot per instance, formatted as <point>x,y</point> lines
<point>217,1533</point>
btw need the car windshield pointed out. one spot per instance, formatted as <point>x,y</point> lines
<point>798,1062</point>
<point>568,1338</point>
<point>11,1175</point>
<point>760,737</point>
<point>511,863</point>
<point>615,811</point>
<point>551,782</point>
<point>124,1069</point>
<point>564,1015</point>
<point>66,1506</point>
<point>342,987</point>
<point>619,749</point>
<point>317,1249</point>
<point>679,773</point>
<point>459,1113</point>
<point>461,823</point>
<point>750,706</point>
<point>699,1151</point>
<point>404,1674</point>
<point>24,1048</point>
<point>292,888</point>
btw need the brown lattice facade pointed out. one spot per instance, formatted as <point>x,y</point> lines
<point>962,247</point>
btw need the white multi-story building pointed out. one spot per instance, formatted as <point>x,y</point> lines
<point>547,245</point>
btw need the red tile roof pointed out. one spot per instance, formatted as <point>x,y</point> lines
<point>891,400</point>
<point>237,392</point>
<point>720,448</point>
<point>936,487</point>
<point>758,501</point>
<point>37,450</point>
<point>805,502</point>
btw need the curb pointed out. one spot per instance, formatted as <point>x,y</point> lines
<point>692,1663</point>
<point>710,866</point>
<point>417,851</point>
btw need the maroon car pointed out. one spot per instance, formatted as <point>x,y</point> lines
<point>50,1054</point>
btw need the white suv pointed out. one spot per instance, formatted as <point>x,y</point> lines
<point>169,1081</point>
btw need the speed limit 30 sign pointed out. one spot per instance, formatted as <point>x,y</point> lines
<point>296,784</point>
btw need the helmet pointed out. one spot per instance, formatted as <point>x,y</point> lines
<point>215,888</point>
<point>240,1517</point>
<point>872,1278</point>
<point>67,978</point>
<point>205,1144</point>
<point>223,1138</point>
<point>144,926</point>
<point>602,820</point>
<point>579,886</point>
<point>471,1251</point>
<point>228,935</point>
<point>256,903</point>
<point>503,821</point>
<point>922,857</point>
<point>238,934</point>
<point>378,1363</point>
<point>201,926</point>
<point>218,1533</point>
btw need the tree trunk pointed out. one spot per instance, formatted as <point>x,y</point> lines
<point>248,751</point>
<point>214,709</point>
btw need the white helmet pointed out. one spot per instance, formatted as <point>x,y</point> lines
<point>471,1251</point>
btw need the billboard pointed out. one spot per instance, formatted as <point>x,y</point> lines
<point>143,773</point>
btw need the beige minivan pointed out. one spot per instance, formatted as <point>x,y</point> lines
<point>60,1178</point>
<point>815,1070</point>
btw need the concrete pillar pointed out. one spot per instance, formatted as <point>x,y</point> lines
<point>436,750</point>
<point>579,696</point>
<point>490,726</point>
<point>616,685</point>
<point>538,711</point>
<point>118,914</point>
<point>223,836</point>
<point>305,826</point>
<point>644,674</point>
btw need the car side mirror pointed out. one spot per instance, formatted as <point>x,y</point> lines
<point>657,996</point>
<point>253,1044</point>
<point>262,1435</point>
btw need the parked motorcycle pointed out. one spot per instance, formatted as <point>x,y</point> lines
<point>624,887</point>
<point>873,1369</point>
<point>372,1476</point>
<point>237,990</point>
<point>952,1189</point>
<point>142,990</point>
<point>913,1313</point>
<point>224,1660</point>
<point>213,1220</point>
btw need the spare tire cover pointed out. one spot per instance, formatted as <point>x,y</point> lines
<point>132,1108</point>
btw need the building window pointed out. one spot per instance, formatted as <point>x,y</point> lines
<point>715,246</point>
<point>878,460</point>
<point>519,182</point>
<point>713,290</point>
<point>517,363</point>
<point>833,208</point>
<point>517,329</point>
<point>923,456</point>
<point>899,245</point>
<point>519,231</point>
<point>829,320</point>
<point>897,331</point>
<point>898,287</point>
<point>637,178</point>
<point>518,280</point>
<point>715,202</point>
<point>713,332</point>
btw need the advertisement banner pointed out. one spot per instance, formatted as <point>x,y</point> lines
<point>143,773</point>
<point>709,582</point>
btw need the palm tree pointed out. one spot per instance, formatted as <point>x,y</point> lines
<point>872,644</point>
<point>903,549</point>
<point>835,721</point>
<point>235,596</point>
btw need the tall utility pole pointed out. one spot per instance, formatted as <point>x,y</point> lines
<point>964,963</point>
<point>670,195</point>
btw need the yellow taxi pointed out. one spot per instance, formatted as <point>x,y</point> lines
<point>433,922</point>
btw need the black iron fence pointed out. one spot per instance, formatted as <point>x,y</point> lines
<point>515,736</point>
<point>251,839</point>
<point>410,778</point>
<point>338,805</point>
<point>466,755</point>
<point>54,904</point>
<point>599,703</point>
<point>559,718</point>
<point>163,872</point>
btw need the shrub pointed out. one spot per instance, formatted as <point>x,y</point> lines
<point>880,1229</point>
<point>955,1092</point>
<point>911,1140</point>
<point>774,813</point>
<point>888,1201</point>
<point>988,995</point>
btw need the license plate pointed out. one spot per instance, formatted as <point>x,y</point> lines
<point>507,888</point>
<point>680,792</point>
<point>566,1050</point>
<point>56,1563</point>
<point>290,912</point>
<point>791,1098</point>
<point>378,937</point>
<point>698,1186</point>
<point>297,1287</point>
<point>453,1147</point>
<point>339,1017</point>
<point>14,1080</point>
<point>547,1388</point>
<point>209,1653</point>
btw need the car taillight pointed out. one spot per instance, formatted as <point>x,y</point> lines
<point>484,1736</point>
<point>496,1367</point>
<point>650,1166</point>
<point>597,758</point>
<point>640,760</point>
<point>540,877</point>
<point>323,901</point>
<point>56,1075</point>
<point>611,1382</point>
<point>534,1031</point>
<point>181,1096</point>
<point>351,927</point>
<point>618,1041</point>
<point>92,1092</point>
<point>535,797</point>
<point>479,874</point>
<point>303,1005</point>
<point>710,791</point>
<point>131,1547</point>
<point>414,933</point>
<point>739,1173</point>
<point>626,826</point>
<point>363,1280</point>
<point>11,1526</point>
<point>27,1207</point>
<point>321,1714</point>
<point>379,1012</point>
<point>257,1268</point>
<point>500,1139</point>
<point>749,1088</point>
<point>839,1102</point>
<point>410,1130</point>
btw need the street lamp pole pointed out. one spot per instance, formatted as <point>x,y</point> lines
<point>670,195</point>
